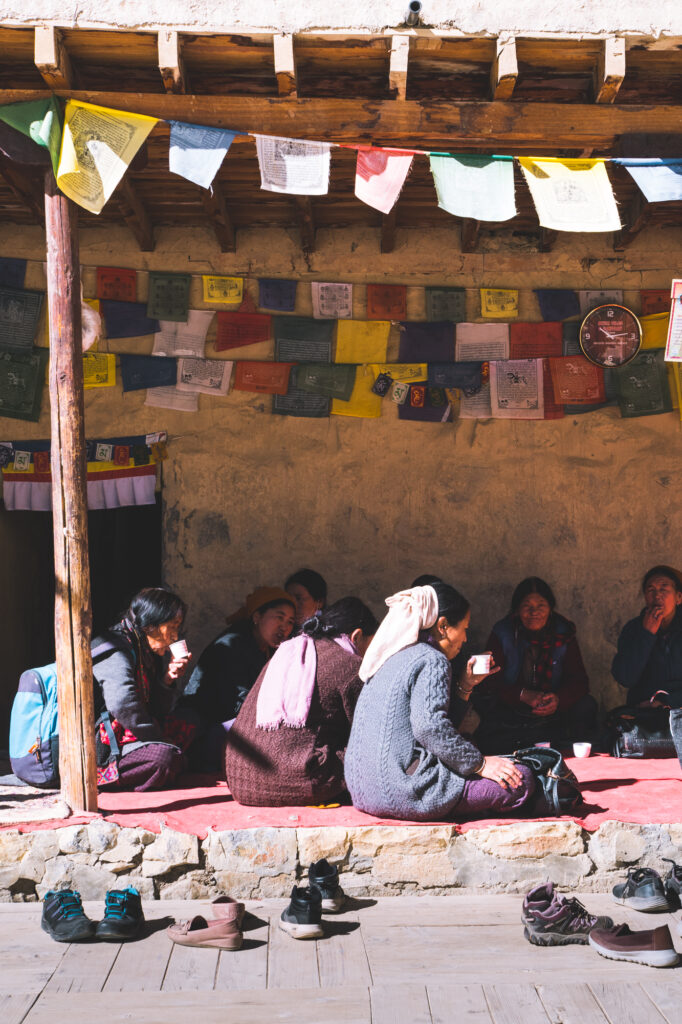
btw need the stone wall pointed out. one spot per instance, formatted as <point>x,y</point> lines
<point>373,861</point>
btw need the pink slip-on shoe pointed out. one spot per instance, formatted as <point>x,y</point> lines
<point>227,909</point>
<point>219,933</point>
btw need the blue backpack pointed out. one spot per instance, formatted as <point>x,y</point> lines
<point>34,726</point>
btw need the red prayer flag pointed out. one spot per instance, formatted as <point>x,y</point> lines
<point>417,396</point>
<point>41,462</point>
<point>121,455</point>
<point>117,283</point>
<point>535,340</point>
<point>386,302</point>
<point>262,377</point>
<point>655,300</point>
<point>553,409</point>
<point>238,329</point>
<point>577,381</point>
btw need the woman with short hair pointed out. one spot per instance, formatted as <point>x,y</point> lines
<point>309,591</point>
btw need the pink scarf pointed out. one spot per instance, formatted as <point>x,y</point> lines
<point>286,692</point>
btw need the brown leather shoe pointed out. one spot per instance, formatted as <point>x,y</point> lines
<point>220,933</point>
<point>654,948</point>
<point>227,909</point>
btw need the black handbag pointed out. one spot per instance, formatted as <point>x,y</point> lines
<point>557,790</point>
<point>640,732</point>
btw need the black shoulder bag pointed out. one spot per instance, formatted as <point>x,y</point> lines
<point>557,790</point>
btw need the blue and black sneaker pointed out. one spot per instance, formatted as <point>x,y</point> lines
<point>64,918</point>
<point>123,917</point>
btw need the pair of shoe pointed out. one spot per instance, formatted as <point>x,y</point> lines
<point>223,931</point>
<point>645,890</point>
<point>302,919</point>
<point>65,920</point>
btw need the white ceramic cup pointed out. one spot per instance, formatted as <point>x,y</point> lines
<point>582,749</point>
<point>481,665</point>
<point>179,649</point>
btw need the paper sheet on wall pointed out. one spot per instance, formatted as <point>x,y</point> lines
<point>379,176</point>
<point>478,342</point>
<point>499,303</point>
<point>22,379</point>
<point>197,151</point>
<point>642,386</point>
<point>673,345</point>
<point>225,290</point>
<point>98,145</point>
<point>659,179</point>
<point>332,301</point>
<point>363,403</point>
<point>475,187</point>
<point>99,370</point>
<point>294,167</point>
<point>361,341</point>
<point>171,398</point>
<point>204,376</point>
<point>571,195</point>
<point>516,389</point>
<point>184,339</point>
<point>589,300</point>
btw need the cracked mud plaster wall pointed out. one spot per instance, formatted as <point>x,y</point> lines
<point>588,502</point>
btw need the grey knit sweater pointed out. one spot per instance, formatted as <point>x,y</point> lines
<point>402,715</point>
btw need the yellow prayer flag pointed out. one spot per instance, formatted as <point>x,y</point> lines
<point>98,145</point>
<point>99,370</point>
<point>362,341</point>
<point>654,330</point>
<point>93,304</point>
<point>571,195</point>
<point>499,303</point>
<point>363,402</point>
<point>226,290</point>
<point>406,373</point>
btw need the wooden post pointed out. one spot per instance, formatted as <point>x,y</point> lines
<point>73,616</point>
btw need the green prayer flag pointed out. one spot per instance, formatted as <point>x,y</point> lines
<point>642,385</point>
<point>22,378</point>
<point>446,304</point>
<point>41,120</point>
<point>168,297</point>
<point>335,380</point>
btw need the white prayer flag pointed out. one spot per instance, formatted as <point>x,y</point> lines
<point>291,166</point>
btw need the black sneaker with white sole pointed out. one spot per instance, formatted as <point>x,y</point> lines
<point>326,878</point>
<point>672,883</point>
<point>302,919</point>
<point>64,918</point>
<point>643,891</point>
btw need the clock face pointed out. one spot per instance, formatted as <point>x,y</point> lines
<point>610,335</point>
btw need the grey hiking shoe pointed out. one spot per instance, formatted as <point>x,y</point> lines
<point>552,920</point>
<point>643,891</point>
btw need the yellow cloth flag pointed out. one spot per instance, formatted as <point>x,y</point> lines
<point>363,402</point>
<point>406,373</point>
<point>499,303</point>
<point>227,290</point>
<point>654,330</point>
<point>98,145</point>
<point>571,195</point>
<point>362,341</point>
<point>99,370</point>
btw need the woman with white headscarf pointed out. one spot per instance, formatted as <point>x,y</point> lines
<point>405,758</point>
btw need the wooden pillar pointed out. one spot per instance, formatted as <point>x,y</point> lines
<point>73,616</point>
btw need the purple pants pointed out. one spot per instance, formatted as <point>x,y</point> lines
<point>153,766</point>
<point>484,795</point>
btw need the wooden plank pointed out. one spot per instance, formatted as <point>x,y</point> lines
<point>22,183</point>
<point>400,1004</point>
<point>515,1004</point>
<point>247,968</point>
<point>141,966</point>
<point>666,994</point>
<point>626,1003</point>
<point>610,70</point>
<point>341,955</point>
<point>171,63</point>
<point>388,224</point>
<point>191,969</point>
<point>13,1008</point>
<point>135,214</point>
<point>505,69</point>
<point>84,967</point>
<point>51,58</point>
<point>285,65</point>
<point>291,962</point>
<point>465,1003</point>
<point>305,218</point>
<point>215,207</point>
<point>398,63</point>
<point>571,1003</point>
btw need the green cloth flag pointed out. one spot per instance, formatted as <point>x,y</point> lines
<point>22,378</point>
<point>642,385</point>
<point>305,340</point>
<point>446,304</point>
<point>168,297</point>
<point>475,187</point>
<point>335,380</point>
<point>41,120</point>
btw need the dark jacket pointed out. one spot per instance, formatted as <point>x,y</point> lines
<point>646,662</point>
<point>224,674</point>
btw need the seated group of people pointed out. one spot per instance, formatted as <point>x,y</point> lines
<point>301,703</point>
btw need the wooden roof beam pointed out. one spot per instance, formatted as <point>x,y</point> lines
<point>171,63</point>
<point>214,204</point>
<point>470,231</point>
<point>305,218</point>
<point>388,225</point>
<point>23,186</point>
<point>505,69</point>
<point>51,58</point>
<point>635,219</point>
<point>285,66</point>
<point>397,69</point>
<point>610,70</point>
<point>546,239</point>
<point>135,215</point>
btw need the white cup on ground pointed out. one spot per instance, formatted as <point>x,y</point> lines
<point>481,664</point>
<point>179,649</point>
<point>582,749</point>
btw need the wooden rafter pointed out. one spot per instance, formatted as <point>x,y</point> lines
<point>470,232</point>
<point>635,219</point>
<point>505,69</point>
<point>305,218</point>
<point>388,225</point>
<point>135,215</point>
<point>610,70</point>
<point>52,59</point>
<point>285,66</point>
<point>546,240</point>
<point>23,186</point>
<point>397,70</point>
<point>214,204</point>
<point>171,63</point>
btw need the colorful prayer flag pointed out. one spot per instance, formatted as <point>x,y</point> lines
<point>226,290</point>
<point>475,187</point>
<point>13,273</point>
<point>386,302</point>
<point>652,300</point>
<point>577,381</point>
<point>235,330</point>
<point>99,370</point>
<point>557,303</point>
<point>140,372</point>
<point>363,402</point>
<point>421,408</point>
<point>446,304</point>
<point>642,386</point>
<point>534,340</point>
<point>168,297</point>
<point>380,175</point>
<point>429,342</point>
<point>292,166</point>
<point>40,120</point>
<point>119,283</point>
<point>361,341</point>
<point>264,378</point>
<point>196,151</point>
<point>22,378</point>
<point>20,311</point>
<point>277,294</point>
<point>660,179</point>
<point>332,380</point>
<point>655,330</point>
<point>332,301</point>
<point>571,195</point>
<point>499,303</point>
<point>127,319</point>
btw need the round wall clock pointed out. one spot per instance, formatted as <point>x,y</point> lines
<point>610,335</point>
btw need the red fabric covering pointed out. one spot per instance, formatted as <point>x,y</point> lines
<point>642,792</point>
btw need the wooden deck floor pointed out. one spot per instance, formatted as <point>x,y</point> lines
<point>408,960</point>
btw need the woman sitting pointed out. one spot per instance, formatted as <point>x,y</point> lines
<point>542,691</point>
<point>140,742</point>
<point>288,743</point>
<point>309,591</point>
<point>405,758</point>
<point>229,667</point>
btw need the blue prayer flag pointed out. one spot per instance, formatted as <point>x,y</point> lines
<point>127,319</point>
<point>140,372</point>
<point>196,151</point>
<point>558,303</point>
<point>427,342</point>
<point>277,293</point>
<point>659,179</point>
